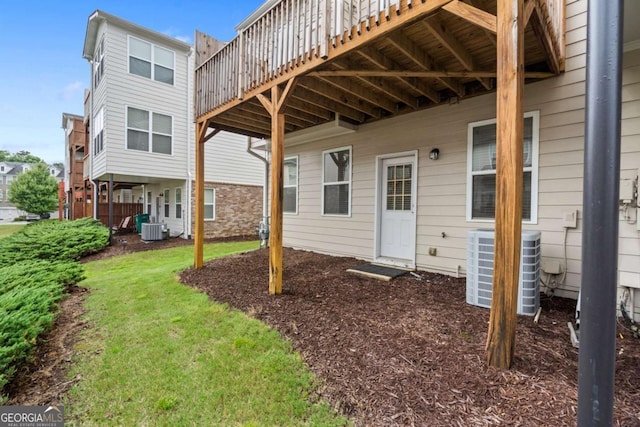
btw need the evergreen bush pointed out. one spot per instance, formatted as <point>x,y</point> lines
<point>37,263</point>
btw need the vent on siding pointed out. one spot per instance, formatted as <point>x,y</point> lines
<point>151,231</point>
<point>480,244</point>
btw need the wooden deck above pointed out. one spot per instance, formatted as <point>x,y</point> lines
<point>365,60</point>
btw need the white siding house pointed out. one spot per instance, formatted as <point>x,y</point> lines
<point>337,206</point>
<point>142,130</point>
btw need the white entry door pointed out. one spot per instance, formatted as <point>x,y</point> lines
<point>397,210</point>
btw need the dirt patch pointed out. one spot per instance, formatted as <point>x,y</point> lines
<point>411,351</point>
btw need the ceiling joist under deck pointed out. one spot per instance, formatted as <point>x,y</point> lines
<point>413,59</point>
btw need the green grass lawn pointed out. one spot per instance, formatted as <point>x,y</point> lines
<point>158,353</point>
<point>7,229</point>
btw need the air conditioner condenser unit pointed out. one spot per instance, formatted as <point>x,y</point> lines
<point>480,247</point>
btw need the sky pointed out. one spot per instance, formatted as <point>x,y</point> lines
<point>43,74</point>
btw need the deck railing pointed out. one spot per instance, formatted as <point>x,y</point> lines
<point>287,35</point>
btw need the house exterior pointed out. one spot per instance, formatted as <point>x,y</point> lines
<point>8,172</point>
<point>401,172</point>
<point>140,115</point>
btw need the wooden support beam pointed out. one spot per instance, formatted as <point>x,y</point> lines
<point>357,91</point>
<point>422,74</point>
<point>491,37</point>
<point>472,14</point>
<point>389,66</point>
<point>383,86</point>
<point>541,24</point>
<point>275,106</point>
<point>423,60</point>
<point>340,97</point>
<point>453,45</point>
<point>306,96</point>
<point>198,233</point>
<point>529,7</point>
<point>509,147</point>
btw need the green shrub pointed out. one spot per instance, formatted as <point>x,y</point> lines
<point>37,263</point>
<point>54,240</point>
<point>28,292</point>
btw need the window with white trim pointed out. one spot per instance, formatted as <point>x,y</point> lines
<point>149,198</point>
<point>209,203</point>
<point>98,132</point>
<point>481,167</point>
<point>178,203</point>
<point>151,61</point>
<point>167,204</point>
<point>336,182</point>
<point>98,63</point>
<point>149,131</point>
<point>290,198</point>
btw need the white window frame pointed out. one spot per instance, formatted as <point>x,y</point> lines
<point>178,202</point>
<point>149,131</point>
<point>98,63</point>
<point>297,159</point>
<point>149,202</point>
<point>325,184</point>
<point>152,60</point>
<point>535,146</point>
<point>166,195</point>
<point>213,190</point>
<point>98,132</point>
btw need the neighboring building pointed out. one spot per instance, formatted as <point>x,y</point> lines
<point>8,172</point>
<point>140,115</point>
<point>77,187</point>
<point>402,166</point>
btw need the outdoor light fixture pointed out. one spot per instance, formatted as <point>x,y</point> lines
<point>434,154</point>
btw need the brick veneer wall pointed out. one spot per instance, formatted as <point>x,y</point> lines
<point>238,210</point>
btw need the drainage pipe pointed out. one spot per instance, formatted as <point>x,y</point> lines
<point>596,363</point>
<point>265,186</point>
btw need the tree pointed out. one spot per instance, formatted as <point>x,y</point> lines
<point>20,157</point>
<point>25,157</point>
<point>35,191</point>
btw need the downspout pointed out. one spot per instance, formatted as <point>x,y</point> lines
<point>186,220</point>
<point>96,190</point>
<point>265,186</point>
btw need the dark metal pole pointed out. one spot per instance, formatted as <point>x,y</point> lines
<point>596,365</point>
<point>110,195</point>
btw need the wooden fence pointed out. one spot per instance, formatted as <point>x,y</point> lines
<point>120,211</point>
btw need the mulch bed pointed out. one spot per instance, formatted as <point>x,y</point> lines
<point>411,351</point>
<point>408,352</point>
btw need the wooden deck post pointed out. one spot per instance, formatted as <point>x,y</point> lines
<point>198,232</point>
<point>275,107</point>
<point>509,145</point>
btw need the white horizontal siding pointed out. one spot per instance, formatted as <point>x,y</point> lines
<point>99,100</point>
<point>227,160</point>
<point>124,90</point>
<point>442,183</point>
